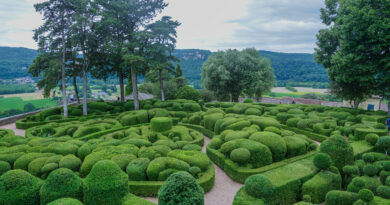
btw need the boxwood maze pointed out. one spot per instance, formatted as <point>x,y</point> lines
<point>116,153</point>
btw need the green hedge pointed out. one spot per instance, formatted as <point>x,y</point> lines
<point>150,188</point>
<point>313,136</point>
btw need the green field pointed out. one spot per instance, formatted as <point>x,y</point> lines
<point>18,103</point>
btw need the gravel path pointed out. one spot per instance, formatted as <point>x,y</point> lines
<point>13,127</point>
<point>223,191</point>
<point>224,188</point>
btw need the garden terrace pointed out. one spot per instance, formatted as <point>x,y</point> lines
<point>272,145</point>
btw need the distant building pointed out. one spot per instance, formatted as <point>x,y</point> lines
<point>370,104</point>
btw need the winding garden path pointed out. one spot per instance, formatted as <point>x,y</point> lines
<point>13,127</point>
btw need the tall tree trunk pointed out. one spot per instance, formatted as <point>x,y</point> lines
<point>76,90</point>
<point>135,89</point>
<point>235,97</point>
<point>356,104</point>
<point>380,104</point>
<point>122,87</point>
<point>161,86</point>
<point>85,94</point>
<point>64,98</point>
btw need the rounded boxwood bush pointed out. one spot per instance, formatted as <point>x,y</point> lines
<point>372,138</point>
<point>252,111</point>
<point>18,187</point>
<point>273,129</point>
<point>356,184</point>
<point>161,124</point>
<point>336,197</point>
<point>193,147</point>
<point>368,158</point>
<point>71,162</point>
<point>65,201</point>
<point>136,169</point>
<point>194,171</point>
<point>383,191</point>
<point>370,170</point>
<point>248,100</point>
<point>322,161</point>
<point>188,93</point>
<point>339,150</point>
<point>306,198</point>
<point>273,141</point>
<point>61,183</point>
<point>366,195</point>
<point>259,186</point>
<point>181,188</point>
<point>4,167</point>
<point>240,155</point>
<point>105,184</point>
<point>387,182</point>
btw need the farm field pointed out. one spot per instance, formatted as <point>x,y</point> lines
<point>301,153</point>
<point>18,103</point>
<point>301,90</point>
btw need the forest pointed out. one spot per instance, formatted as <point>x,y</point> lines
<point>293,69</point>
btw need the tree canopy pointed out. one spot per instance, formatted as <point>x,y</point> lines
<point>354,48</point>
<point>232,72</point>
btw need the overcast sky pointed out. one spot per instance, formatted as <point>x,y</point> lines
<point>274,25</point>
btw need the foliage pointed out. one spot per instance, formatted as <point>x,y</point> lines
<point>207,95</point>
<point>59,184</point>
<point>182,189</point>
<point>366,195</point>
<point>322,161</point>
<point>105,184</point>
<point>224,74</point>
<point>188,93</point>
<point>259,186</point>
<point>339,150</point>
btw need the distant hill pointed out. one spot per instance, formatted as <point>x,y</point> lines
<point>14,62</point>
<point>296,68</point>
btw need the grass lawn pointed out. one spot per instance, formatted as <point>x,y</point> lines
<point>18,103</point>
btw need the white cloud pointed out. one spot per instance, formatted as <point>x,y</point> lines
<point>277,25</point>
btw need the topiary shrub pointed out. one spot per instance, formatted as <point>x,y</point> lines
<point>188,93</point>
<point>34,167</point>
<point>105,184</point>
<point>383,144</point>
<point>240,155</point>
<point>318,186</point>
<point>160,164</point>
<point>4,167</point>
<point>349,172</point>
<point>336,197</point>
<point>295,146</point>
<point>18,187</point>
<point>383,191</point>
<point>306,198</point>
<point>339,150</point>
<point>371,183</point>
<point>253,111</point>
<point>368,158</point>
<point>274,142</point>
<point>248,100</point>
<point>181,188</point>
<point>372,138</point>
<point>61,183</point>
<point>370,170</point>
<point>194,171</point>
<point>161,124</point>
<point>193,147</point>
<point>71,162</point>
<point>356,184</point>
<point>65,201</point>
<point>259,186</point>
<point>322,161</point>
<point>137,169</point>
<point>366,195</point>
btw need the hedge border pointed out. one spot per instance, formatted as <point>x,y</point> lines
<point>311,135</point>
<point>239,174</point>
<point>199,128</point>
<point>150,188</point>
<point>9,132</point>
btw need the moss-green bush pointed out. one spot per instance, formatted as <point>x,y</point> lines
<point>161,124</point>
<point>160,164</point>
<point>322,161</point>
<point>295,146</point>
<point>4,167</point>
<point>136,169</point>
<point>336,197</point>
<point>253,111</point>
<point>18,187</point>
<point>181,188</point>
<point>356,184</point>
<point>122,160</point>
<point>105,184</point>
<point>339,150</point>
<point>23,161</point>
<point>274,142</point>
<point>240,155</point>
<point>383,191</point>
<point>371,183</point>
<point>372,138</point>
<point>360,133</point>
<point>366,195</point>
<point>188,93</point>
<point>61,183</point>
<point>259,186</point>
<point>65,201</point>
<point>318,186</point>
<point>370,170</point>
<point>71,162</point>
<point>192,147</point>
